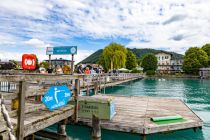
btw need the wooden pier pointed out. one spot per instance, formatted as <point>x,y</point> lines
<point>30,115</point>
<point>133,113</point>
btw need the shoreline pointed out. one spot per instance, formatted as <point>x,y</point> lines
<point>174,76</point>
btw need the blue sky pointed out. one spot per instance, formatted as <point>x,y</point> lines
<point>29,26</point>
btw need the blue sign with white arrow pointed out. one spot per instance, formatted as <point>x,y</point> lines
<point>56,97</point>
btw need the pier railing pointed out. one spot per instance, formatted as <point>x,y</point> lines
<point>28,89</point>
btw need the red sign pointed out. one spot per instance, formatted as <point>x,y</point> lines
<point>29,61</point>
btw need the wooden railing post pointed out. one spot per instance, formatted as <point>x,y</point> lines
<point>62,127</point>
<point>83,81</point>
<point>96,130</point>
<point>95,87</point>
<point>76,94</point>
<point>21,109</point>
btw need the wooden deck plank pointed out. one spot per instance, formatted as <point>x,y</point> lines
<point>133,114</point>
<point>35,121</point>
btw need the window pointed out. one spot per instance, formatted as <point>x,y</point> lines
<point>162,57</point>
<point>166,57</point>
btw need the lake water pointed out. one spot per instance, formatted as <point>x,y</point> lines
<point>196,93</point>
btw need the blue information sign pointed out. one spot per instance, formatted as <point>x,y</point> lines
<point>56,97</point>
<point>61,50</point>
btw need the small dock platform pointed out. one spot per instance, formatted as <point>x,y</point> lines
<point>133,114</point>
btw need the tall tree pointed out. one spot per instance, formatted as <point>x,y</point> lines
<point>149,62</point>
<point>131,61</point>
<point>206,48</point>
<point>114,56</point>
<point>194,59</point>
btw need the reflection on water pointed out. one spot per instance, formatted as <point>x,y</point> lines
<point>196,93</point>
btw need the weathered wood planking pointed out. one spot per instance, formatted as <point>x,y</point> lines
<point>36,89</point>
<point>35,116</point>
<point>133,114</point>
<point>50,77</point>
<point>37,77</point>
<point>35,121</point>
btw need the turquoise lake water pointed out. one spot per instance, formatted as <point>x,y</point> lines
<point>195,93</point>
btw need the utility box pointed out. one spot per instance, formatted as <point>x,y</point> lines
<point>102,108</point>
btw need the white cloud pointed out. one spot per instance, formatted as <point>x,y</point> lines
<point>41,54</point>
<point>173,25</point>
<point>7,39</point>
<point>26,8</point>
<point>37,43</point>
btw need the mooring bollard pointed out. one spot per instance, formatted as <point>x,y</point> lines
<point>96,132</point>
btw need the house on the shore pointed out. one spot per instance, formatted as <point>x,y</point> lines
<point>204,73</point>
<point>168,63</point>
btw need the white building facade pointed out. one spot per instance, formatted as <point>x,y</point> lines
<point>166,63</point>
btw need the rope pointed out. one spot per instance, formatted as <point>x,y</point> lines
<point>6,118</point>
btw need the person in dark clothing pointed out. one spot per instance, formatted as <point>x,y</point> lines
<point>97,70</point>
<point>80,71</point>
<point>50,69</point>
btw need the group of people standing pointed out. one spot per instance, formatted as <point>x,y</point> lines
<point>66,69</point>
<point>88,70</point>
<point>57,70</point>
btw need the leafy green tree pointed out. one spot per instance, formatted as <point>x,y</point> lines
<point>45,64</point>
<point>101,62</point>
<point>131,61</point>
<point>14,63</point>
<point>194,59</point>
<point>114,56</point>
<point>206,48</point>
<point>149,62</point>
<point>139,62</point>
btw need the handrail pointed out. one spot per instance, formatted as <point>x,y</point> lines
<point>35,85</point>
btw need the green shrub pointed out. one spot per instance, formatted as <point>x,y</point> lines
<point>136,71</point>
<point>150,72</point>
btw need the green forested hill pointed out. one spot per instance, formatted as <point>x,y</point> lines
<point>93,58</point>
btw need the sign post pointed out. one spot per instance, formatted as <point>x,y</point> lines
<point>72,64</point>
<point>56,97</point>
<point>65,50</point>
<point>50,60</point>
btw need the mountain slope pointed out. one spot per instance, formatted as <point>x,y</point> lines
<point>93,58</point>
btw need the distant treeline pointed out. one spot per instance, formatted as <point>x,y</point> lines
<point>94,58</point>
<point>7,65</point>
